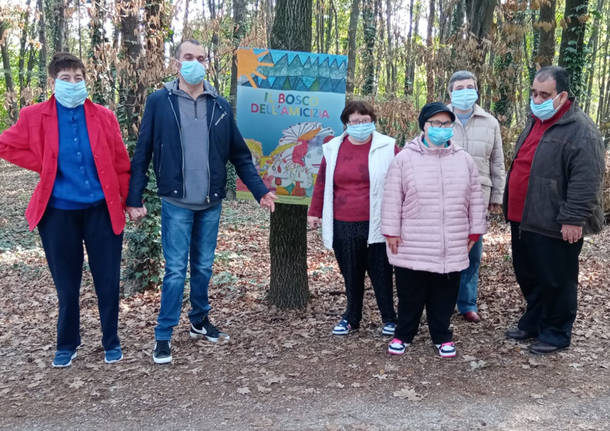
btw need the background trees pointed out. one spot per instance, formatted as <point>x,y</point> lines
<point>401,54</point>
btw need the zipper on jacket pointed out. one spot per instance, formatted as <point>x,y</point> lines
<point>207,196</point>
<point>440,164</point>
<point>181,143</point>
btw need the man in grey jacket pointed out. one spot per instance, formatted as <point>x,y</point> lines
<point>478,132</point>
<point>553,197</point>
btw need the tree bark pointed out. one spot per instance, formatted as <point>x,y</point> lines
<point>430,54</point>
<point>571,51</point>
<point>351,46</point>
<point>10,95</point>
<point>592,47</point>
<point>546,34</point>
<point>369,22</point>
<point>42,54</point>
<point>410,58</point>
<point>288,233</point>
<point>24,47</point>
<point>97,47</point>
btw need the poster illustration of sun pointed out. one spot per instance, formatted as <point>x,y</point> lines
<point>288,106</point>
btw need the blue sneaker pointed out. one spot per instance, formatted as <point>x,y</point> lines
<point>63,358</point>
<point>389,328</point>
<point>342,328</point>
<point>113,355</point>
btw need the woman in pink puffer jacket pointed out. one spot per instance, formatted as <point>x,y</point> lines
<point>432,214</point>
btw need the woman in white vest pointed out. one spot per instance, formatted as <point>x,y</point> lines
<point>346,202</point>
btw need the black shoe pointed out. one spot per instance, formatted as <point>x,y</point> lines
<point>542,348</point>
<point>163,352</point>
<point>207,330</point>
<point>518,334</point>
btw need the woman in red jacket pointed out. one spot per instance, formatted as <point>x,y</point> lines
<point>76,148</point>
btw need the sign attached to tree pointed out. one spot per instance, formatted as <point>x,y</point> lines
<point>288,105</point>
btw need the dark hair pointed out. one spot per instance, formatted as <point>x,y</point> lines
<point>62,61</point>
<point>179,46</point>
<point>559,74</point>
<point>359,106</point>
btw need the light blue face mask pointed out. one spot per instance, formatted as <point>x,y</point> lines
<point>440,135</point>
<point>464,99</point>
<point>192,71</point>
<point>70,95</point>
<point>360,132</point>
<point>544,110</point>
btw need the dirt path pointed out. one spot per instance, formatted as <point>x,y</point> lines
<point>283,370</point>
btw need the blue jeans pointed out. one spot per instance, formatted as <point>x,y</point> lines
<point>469,280</point>
<point>184,230</point>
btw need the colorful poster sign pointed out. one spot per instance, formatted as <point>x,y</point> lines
<point>288,105</point>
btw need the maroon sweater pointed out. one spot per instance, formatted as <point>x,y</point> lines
<point>351,184</point>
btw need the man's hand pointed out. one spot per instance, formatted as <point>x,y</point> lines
<point>136,213</point>
<point>571,233</point>
<point>314,222</point>
<point>268,201</point>
<point>393,243</point>
<point>495,208</point>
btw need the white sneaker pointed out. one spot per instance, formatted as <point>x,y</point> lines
<point>446,350</point>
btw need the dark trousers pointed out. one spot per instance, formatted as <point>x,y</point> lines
<point>437,292</point>
<point>355,258</point>
<point>547,272</point>
<point>63,233</point>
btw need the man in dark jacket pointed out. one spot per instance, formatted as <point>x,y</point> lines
<point>189,132</point>
<point>552,198</point>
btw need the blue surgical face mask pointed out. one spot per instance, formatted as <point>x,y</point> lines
<point>464,99</point>
<point>70,94</point>
<point>544,110</point>
<point>439,135</point>
<point>192,71</point>
<point>360,132</point>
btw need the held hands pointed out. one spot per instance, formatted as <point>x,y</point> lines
<point>314,222</point>
<point>571,233</point>
<point>268,201</point>
<point>495,208</point>
<point>136,213</point>
<point>471,244</point>
<point>393,243</point>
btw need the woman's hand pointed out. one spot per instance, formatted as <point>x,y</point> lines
<point>314,222</point>
<point>471,244</point>
<point>393,243</point>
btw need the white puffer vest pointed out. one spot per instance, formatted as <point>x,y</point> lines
<point>380,157</point>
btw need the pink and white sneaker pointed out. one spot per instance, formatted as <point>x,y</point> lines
<point>397,347</point>
<point>446,350</point>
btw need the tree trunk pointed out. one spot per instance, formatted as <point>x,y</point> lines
<point>592,47</point>
<point>58,27</point>
<point>129,76</point>
<point>351,46</point>
<point>186,32</point>
<point>42,54</point>
<point>410,58</point>
<point>390,60</point>
<point>369,22</point>
<point>430,54</point>
<point>10,96</point>
<point>571,51</point>
<point>546,33</point>
<point>24,47</point>
<point>213,53</point>
<point>288,231</point>
<point>97,47</point>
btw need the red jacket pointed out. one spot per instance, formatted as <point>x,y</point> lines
<point>33,143</point>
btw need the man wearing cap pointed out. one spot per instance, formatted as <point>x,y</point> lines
<point>552,198</point>
<point>477,132</point>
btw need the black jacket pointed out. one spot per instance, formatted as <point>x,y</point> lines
<point>160,139</point>
<point>566,176</point>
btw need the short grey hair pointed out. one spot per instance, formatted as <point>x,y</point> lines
<point>461,75</point>
<point>179,46</point>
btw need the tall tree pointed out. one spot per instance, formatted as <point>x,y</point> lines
<point>572,54</point>
<point>592,48</point>
<point>351,45</point>
<point>430,54</point>
<point>42,54</point>
<point>545,29</point>
<point>8,74</point>
<point>24,47</point>
<point>96,13</point>
<point>288,232</point>
<point>369,23</point>
<point>410,55</point>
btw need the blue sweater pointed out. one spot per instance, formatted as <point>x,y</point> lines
<point>77,184</point>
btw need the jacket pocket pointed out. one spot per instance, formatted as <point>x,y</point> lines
<point>543,201</point>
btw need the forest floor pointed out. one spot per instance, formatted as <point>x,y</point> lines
<point>283,370</point>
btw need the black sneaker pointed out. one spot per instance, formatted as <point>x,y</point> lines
<point>163,352</point>
<point>207,330</point>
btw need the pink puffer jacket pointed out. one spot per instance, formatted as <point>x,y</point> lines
<point>432,199</point>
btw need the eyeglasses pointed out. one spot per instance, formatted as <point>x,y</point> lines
<point>359,121</point>
<point>444,124</point>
